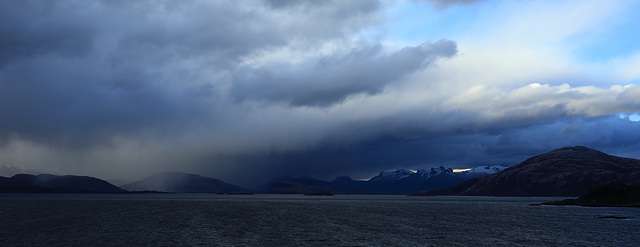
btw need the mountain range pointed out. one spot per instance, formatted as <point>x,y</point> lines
<point>568,171</point>
<point>401,181</point>
<point>173,182</point>
<point>565,172</point>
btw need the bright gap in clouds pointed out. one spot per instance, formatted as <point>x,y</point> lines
<point>461,170</point>
<point>633,117</point>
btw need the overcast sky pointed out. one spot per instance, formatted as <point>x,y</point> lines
<point>246,91</point>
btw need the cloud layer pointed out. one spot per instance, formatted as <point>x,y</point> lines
<point>250,90</point>
<point>331,79</point>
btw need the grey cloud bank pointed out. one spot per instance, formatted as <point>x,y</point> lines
<point>329,80</point>
<point>250,90</point>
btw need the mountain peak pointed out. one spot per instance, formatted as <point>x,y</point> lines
<point>567,154</point>
<point>579,149</point>
<point>432,172</point>
<point>393,175</point>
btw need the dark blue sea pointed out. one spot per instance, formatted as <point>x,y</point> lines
<point>296,220</point>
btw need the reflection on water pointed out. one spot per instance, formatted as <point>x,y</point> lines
<point>294,220</point>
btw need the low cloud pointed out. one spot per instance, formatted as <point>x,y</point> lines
<point>329,80</point>
<point>544,101</point>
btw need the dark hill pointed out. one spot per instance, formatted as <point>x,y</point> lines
<point>183,183</point>
<point>566,171</point>
<point>45,183</point>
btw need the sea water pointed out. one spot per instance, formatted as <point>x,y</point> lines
<point>296,220</point>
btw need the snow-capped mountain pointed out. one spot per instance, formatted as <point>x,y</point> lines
<point>484,170</point>
<point>393,175</point>
<point>434,172</point>
<point>479,171</point>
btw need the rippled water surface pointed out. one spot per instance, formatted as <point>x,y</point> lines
<point>295,220</point>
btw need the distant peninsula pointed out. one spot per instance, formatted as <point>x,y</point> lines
<point>612,194</point>
<point>47,183</point>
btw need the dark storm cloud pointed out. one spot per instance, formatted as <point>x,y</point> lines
<point>330,80</point>
<point>113,87</point>
<point>46,100</point>
<point>509,146</point>
<point>31,28</point>
<point>168,29</point>
<point>80,71</point>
